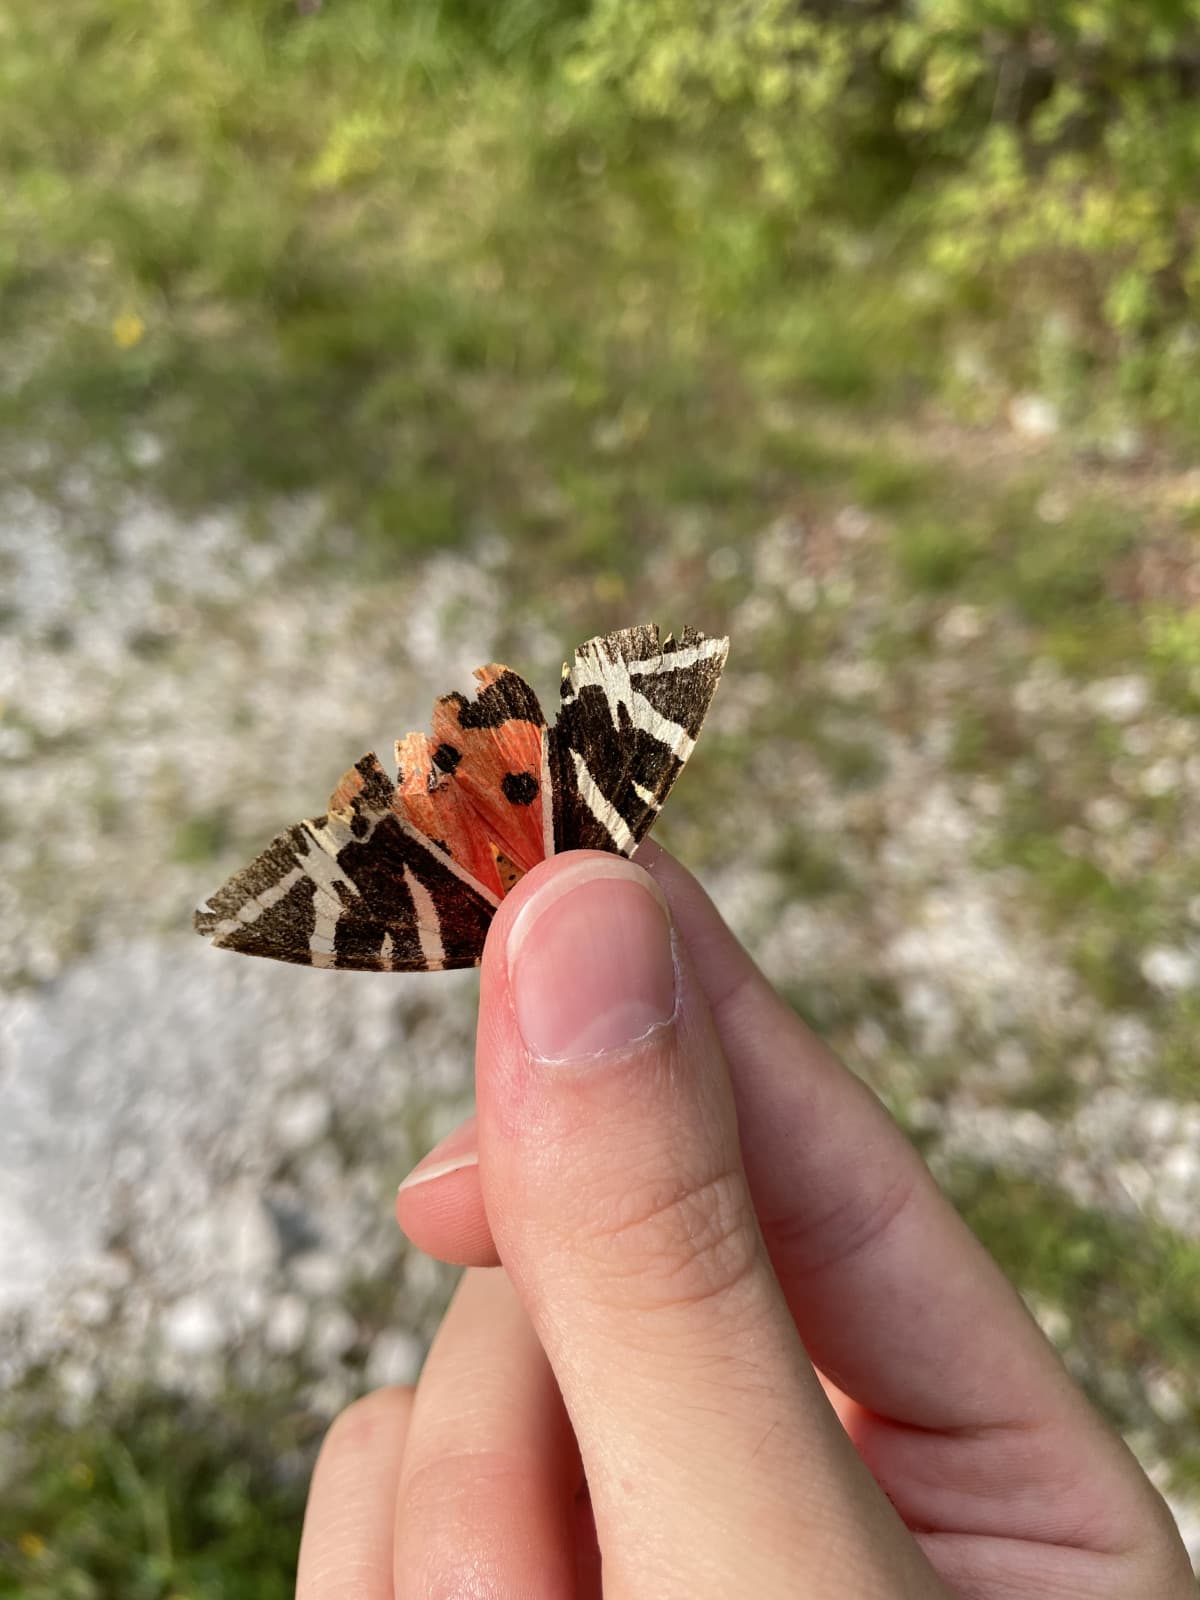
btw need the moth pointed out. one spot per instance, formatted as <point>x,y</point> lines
<point>406,876</point>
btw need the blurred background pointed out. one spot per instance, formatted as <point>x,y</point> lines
<point>349,344</point>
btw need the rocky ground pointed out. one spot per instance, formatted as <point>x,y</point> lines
<point>970,863</point>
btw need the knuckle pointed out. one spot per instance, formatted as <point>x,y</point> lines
<point>456,1516</point>
<point>345,1578</point>
<point>683,1242</point>
<point>368,1422</point>
<point>815,1239</point>
<point>456,1487</point>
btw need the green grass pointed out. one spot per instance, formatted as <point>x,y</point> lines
<point>368,250</point>
<point>808,868</point>
<point>934,558</point>
<point>202,838</point>
<point>152,1498</point>
<point>1131,1291</point>
<point>989,543</point>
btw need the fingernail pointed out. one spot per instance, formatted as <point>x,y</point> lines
<point>428,1170</point>
<point>457,1150</point>
<point>590,962</point>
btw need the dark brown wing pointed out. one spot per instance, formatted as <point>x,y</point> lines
<point>631,712</point>
<point>356,888</point>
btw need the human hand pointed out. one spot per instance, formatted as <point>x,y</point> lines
<point>734,1304</point>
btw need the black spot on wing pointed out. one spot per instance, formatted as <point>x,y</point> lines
<point>519,787</point>
<point>446,758</point>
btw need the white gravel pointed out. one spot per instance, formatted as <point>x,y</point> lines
<point>198,1153</point>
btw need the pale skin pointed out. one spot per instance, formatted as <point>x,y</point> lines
<point>733,1304</point>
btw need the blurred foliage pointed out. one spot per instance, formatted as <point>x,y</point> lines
<point>1127,1295</point>
<point>155,1498</point>
<point>436,258</point>
<point>1039,158</point>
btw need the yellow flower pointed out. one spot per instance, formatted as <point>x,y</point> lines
<point>127,330</point>
<point>31,1545</point>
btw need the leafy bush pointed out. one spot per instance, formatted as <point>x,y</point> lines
<point>1041,156</point>
<point>309,241</point>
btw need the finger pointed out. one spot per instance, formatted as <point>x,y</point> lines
<point>896,1300</point>
<point>346,1546</point>
<point>613,1180</point>
<point>486,1501</point>
<point>862,1241</point>
<point>440,1204</point>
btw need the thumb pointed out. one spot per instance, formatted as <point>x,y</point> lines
<point>613,1182</point>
